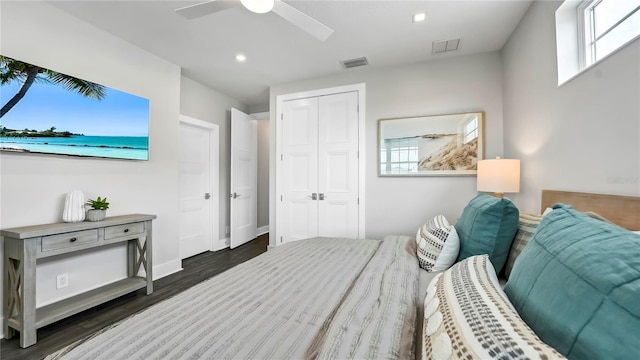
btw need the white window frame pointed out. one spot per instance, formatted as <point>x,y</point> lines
<point>473,132</point>
<point>400,145</point>
<point>586,33</point>
<point>570,40</point>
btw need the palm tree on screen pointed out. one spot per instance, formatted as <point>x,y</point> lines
<point>15,70</point>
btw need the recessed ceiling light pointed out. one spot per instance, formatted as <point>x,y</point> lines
<point>241,58</point>
<point>418,17</point>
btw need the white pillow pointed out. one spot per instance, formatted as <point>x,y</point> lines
<point>438,244</point>
<point>468,316</point>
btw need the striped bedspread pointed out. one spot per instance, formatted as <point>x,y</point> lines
<point>317,298</point>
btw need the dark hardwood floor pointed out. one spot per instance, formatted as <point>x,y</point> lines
<point>196,269</point>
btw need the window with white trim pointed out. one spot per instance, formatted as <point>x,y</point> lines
<point>605,26</point>
<point>399,156</point>
<point>470,130</point>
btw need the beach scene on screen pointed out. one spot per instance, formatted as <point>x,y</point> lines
<point>60,114</point>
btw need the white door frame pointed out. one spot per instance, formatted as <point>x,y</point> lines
<point>214,137</point>
<point>280,99</point>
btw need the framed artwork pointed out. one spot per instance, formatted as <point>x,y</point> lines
<point>47,112</point>
<point>436,145</point>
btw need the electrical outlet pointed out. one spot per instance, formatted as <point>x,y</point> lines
<point>227,229</point>
<point>62,280</point>
<point>227,242</point>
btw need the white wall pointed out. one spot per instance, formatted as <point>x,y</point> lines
<point>448,85</point>
<point>33,187</point>
<point>582,136</point>
<point>203,103</point>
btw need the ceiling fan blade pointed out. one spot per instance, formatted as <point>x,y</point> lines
<point>205,8</point>
<point>302,20</point>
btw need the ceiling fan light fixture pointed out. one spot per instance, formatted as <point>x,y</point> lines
<point>258,6</point>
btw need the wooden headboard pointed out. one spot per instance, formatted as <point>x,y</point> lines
<point>621,210</point>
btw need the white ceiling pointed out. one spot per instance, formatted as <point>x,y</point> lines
<point>278,52</point>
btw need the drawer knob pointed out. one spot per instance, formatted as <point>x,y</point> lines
<point>73,239</point>
<point>126,230</point>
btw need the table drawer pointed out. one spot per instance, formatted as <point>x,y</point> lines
<point>112,232</point>
<point>68,240</point>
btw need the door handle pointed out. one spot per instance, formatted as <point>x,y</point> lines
<point>313,196</point>
<point>321,196</point>
<point>207,196</point>
<point>234,195</point>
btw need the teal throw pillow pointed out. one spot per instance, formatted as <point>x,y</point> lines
<point>577,285</point>
<point>488,226</point>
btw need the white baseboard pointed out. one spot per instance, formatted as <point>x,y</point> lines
<point>222,244</point>
<point>166,269</point>
<point>263,230</point>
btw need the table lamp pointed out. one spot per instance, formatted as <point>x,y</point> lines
<point>499,176</point>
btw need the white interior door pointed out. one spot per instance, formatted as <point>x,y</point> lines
<point>244,178</point>
<point>338,165</point>
<point>299,204</point>
<point>195,190</point>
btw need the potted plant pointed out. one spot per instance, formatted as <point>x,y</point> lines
<point>98,209</point>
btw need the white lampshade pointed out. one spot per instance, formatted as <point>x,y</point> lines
<point>499,176</point>
<point>258,6</point>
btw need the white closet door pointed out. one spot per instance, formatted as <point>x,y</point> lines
<point>338,165</point>
<point>299,218</point>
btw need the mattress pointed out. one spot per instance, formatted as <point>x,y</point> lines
<point>317,298</point>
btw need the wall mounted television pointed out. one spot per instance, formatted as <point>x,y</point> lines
<point>47,112</point>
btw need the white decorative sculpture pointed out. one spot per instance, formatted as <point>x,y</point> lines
<point>74,207</point>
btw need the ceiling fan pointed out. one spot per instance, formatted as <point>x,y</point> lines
<point>286,11</point>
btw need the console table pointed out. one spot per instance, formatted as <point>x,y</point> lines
<point>24,245</point>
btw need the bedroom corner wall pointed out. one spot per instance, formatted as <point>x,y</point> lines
<point>33,187</point>
<point>583,136</point>
<point>204,103</point>
<point>447,85</point>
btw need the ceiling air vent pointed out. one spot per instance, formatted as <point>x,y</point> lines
<point>445,46</point>
<point>347,64</point>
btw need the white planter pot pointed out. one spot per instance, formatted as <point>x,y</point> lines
<point>96,215</point>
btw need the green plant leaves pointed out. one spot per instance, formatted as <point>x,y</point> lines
<point>99,203</point>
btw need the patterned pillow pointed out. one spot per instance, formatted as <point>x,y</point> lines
<point>527,225</point>
<point>468,316</point>
<point>438,244</point>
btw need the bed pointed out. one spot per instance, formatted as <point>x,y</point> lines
<point>316,298</point>
<point>319,298</point>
